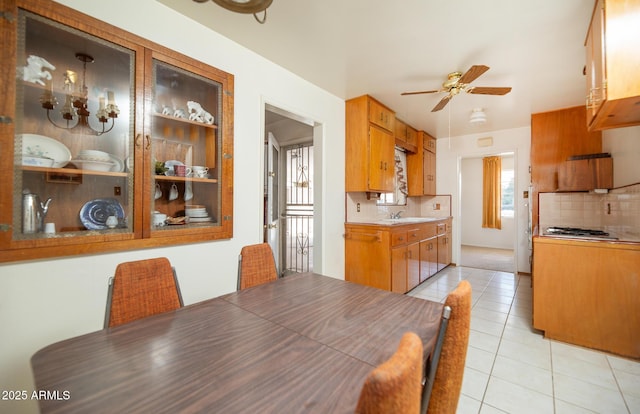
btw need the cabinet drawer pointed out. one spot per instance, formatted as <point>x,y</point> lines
<point>398,238</point>
<point>414,235</point>
<point>381,116</point>
<point>428,231</point>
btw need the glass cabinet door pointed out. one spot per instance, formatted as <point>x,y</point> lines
<point>74,123</point>
<point>185,150</point>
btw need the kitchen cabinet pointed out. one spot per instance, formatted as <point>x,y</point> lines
<point>428,255</point>
<point>586,293</point>
<point>370,146</point>
<point>92,123</point>
<point>444,244</point>
<point>556,136</point>
<point>585,174</point>
<point>421,167</point>
<point>395,257</point>
<point>613,89</point>
<point>405,259</point>
<point>406,136</point>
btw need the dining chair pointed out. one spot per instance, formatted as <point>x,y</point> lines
<point>446,373</point>
<point>141,288</point>
<point>256,266</point>
<point>395,385</point>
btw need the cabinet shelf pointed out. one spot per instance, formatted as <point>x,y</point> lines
<point>74,171</point>
<point>185,179</point>
<point>185,121</point>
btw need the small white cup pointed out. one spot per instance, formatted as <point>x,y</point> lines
<point>158,193</point>
<point>159,219</point>
<point>50,228</point>
<point>200,171</point>
<point>173,193</point>
<point>112,222</point>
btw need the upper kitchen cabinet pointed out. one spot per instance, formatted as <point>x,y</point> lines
<point>370,146</point>
<point>421,167</point>
<point>109,141</point>
<point>406,136</point>
<point>613,62</point>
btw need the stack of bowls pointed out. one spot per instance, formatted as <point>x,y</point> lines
<point>197,213</point>
<point>93,160</point>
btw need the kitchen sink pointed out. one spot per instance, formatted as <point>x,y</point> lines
<point>403,220</point>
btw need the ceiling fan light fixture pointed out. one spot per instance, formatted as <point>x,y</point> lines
<point>478,117</point>
<point>244,6</point>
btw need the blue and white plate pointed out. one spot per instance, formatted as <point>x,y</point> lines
<point>94,213</point>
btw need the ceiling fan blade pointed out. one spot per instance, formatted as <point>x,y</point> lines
<point>488,90</point>
<point>443,102</point>
<point>417,93</point>
<point>473,73</point>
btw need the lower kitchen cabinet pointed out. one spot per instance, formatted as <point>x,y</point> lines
<point>586,293</point>
<point>444,244</point>
<point>395,257</point>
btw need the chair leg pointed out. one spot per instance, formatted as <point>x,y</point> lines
<point>107,313</point>
<point>433,363</point>
<point>239,272</point>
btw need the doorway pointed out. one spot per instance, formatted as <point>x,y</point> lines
<point>490,249</point>
<point>289,190</point>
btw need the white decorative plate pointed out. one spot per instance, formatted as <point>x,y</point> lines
<point>94,213</point>
<point>40,146</point>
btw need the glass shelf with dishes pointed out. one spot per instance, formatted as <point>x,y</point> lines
<point>184,147</point>
<point>71,140</point>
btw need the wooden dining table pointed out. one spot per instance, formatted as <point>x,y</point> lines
<point>302,344</point>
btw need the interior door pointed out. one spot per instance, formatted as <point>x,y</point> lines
<point>272,217</point>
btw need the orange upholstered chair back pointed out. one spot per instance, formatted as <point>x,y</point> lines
<point>395,386</point>
<point>140,289</point>
<point>256,266</point>
<point>448,379</point>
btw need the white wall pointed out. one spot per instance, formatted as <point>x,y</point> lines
<point>452,150</point>
<point>42,302</point>
<point>472,232</point>
<point>624,146</point>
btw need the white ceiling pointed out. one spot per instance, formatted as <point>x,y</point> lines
<point>383,48</point>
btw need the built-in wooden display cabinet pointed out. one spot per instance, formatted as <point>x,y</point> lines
<point>94,119</point>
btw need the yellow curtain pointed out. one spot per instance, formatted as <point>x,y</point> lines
<point>491,192</point>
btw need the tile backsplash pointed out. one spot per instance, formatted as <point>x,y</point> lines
<point>370,211</point>
<point>618,210</point>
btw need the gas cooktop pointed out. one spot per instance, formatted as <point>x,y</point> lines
<point>575,232</point>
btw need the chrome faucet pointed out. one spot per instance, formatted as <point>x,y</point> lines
<point>396,215</point>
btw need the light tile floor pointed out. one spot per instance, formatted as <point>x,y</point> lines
<point>511,368</point>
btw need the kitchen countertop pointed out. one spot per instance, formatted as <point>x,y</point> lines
<point>399,221</point>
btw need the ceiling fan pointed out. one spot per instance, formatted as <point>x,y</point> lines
<point>457,82</point>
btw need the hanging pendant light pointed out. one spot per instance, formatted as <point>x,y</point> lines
<point>244,6</point>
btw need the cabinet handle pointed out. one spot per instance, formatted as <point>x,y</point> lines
<point>400,238</point>
<point>148,137</point>
<point>381,165</point>
<point>138,140</point>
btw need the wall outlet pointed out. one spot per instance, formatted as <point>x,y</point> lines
<point>436,206</point>
<point>117,191</point>
<point>358,207</point>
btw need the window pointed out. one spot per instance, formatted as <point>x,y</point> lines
<point>507,182</point>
